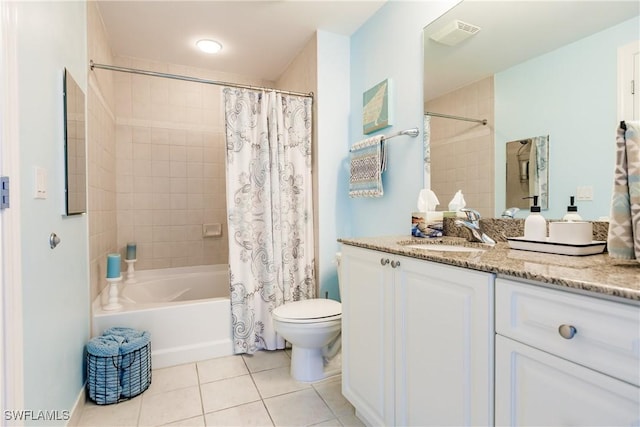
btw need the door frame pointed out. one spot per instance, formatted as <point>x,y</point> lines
<point>11,325</point>
<point>625,76</point>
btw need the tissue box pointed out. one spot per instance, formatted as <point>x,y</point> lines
<point>422,224</point>
<point>418,221</point>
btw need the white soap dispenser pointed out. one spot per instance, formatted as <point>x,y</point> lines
<point>572,212</point>
<point>535,226</point>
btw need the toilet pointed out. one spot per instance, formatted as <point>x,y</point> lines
<point>313,328</point>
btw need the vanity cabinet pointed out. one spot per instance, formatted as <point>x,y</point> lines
<point>418,340</point>
<point>565,359</point>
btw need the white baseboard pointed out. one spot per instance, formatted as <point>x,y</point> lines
<point>76,412</point>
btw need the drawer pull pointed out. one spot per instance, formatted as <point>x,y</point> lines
<point>395,264</point>
<point>384,261</point>
<point>567,331</point>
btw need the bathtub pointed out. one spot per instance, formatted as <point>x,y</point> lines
<point>186,309</point>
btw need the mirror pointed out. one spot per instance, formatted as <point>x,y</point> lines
<point>527,172</point>
<point>74,147</point>
<point>533,68</point>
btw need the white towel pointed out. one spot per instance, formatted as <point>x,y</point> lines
<point>623,240</point>
<point>368,161</point>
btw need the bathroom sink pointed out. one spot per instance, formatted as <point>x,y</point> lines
<point>443,247</point>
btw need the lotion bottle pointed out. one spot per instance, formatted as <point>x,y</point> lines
<point>535,226</point>
<point>572,212</point>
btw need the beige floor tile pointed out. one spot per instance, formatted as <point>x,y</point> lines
<point>221,368</point>
<point>351,421</point>
<point>227,393</point>
<point>190,422</point>
<point>331,423</point>
<point>331,393</point>
<point>173,378</point>
<point>164,408</point>
<point>120,414</point>
<point>300,408</point>
<point>263,360</point>
<point>277,381</point>
<point>250,414</point>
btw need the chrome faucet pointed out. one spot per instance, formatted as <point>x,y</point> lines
<point>473,224</point>
<point>510,213</point>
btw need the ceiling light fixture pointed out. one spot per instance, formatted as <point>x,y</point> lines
<point>209,46</point>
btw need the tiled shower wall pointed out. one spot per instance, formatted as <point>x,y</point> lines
<point>170,165</point>
<point>101,154</point>
<point>462,153</point>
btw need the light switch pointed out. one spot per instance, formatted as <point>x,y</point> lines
<point>40,183</point>
<point>584,193</point>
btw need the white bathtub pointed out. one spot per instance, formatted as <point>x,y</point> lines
<point>186,310</point>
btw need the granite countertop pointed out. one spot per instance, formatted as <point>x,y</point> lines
<point>599,275</point>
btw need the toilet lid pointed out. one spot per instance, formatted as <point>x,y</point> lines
<point>317,308</point>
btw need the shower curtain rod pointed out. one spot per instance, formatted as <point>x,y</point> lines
<point>446,116</point>
<point>193,79</point>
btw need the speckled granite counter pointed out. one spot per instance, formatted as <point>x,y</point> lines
<point>598,275</point>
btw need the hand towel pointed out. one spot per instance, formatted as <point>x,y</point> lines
<point>135,364</point>
<point>623,240</point>
<point>368,161</point>
<point>103,377</point>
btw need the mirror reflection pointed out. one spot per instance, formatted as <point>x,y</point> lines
<point>527,172</point>
<point>532,68</point>
<point>75,147</point>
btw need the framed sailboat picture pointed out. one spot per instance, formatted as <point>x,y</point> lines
<point>376,111</point>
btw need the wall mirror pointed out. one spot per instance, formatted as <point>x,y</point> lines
<point>74,147</point>
<point>532,69</point>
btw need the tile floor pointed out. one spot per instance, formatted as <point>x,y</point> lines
<point>229,391</point>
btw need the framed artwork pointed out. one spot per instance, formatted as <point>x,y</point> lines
<point>376,111</point>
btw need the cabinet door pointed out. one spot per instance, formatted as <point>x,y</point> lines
<point>444,345</point>
<point>367,340</point>
<point>534,388</point>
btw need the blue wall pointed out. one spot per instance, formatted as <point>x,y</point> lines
<point>55,283</point>
<point>571,95</point>
<point>333,128</point>
<point>389,46</point>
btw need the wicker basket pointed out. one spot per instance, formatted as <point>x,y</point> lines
<point>112,379</point>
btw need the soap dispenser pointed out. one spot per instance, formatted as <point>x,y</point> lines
<point>572,212</point>
<point>535,226</point>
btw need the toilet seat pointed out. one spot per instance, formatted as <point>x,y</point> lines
<point>308,311</point>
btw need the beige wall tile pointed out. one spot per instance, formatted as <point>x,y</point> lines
<point>462,153</point>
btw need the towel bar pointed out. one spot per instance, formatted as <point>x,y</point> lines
<point>413,132</point>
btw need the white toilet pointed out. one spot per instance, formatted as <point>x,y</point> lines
<point>313,328</point>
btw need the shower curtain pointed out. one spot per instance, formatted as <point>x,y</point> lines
<point>269,207</point>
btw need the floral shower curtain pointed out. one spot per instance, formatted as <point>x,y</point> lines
<point>269,207</point>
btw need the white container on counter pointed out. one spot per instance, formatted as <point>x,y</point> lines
<point>571,232</point>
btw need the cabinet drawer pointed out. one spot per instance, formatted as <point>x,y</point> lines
<point>607,333</point>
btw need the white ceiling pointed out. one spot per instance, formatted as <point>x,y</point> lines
<point>512,32</point>
<point>260,38</point>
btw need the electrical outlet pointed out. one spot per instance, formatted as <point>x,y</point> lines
<point>584,193</point>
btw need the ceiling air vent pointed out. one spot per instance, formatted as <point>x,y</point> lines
<point>455,32</point>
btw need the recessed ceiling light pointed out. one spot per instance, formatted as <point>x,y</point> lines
<point>209,46</point>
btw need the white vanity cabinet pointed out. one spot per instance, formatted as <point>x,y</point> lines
<point>565,359</point>
<point>417,340</point>
<point>366,292</point>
